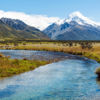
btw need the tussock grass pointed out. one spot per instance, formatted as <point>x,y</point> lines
<point>75,48</point>
<point>9,67</point>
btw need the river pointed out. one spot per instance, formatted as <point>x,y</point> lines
<point>72,78</point>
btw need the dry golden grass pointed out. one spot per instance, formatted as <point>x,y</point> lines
<point>93,53</point>
<point>56,46</point>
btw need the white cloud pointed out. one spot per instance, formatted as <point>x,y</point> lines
<point>38,21</point>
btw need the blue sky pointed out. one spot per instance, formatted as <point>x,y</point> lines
<point>59,8</point>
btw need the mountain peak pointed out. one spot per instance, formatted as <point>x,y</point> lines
<point>76,14</point>
<point>80,19</point>
<point>14,21</point>
<point>75,27</point>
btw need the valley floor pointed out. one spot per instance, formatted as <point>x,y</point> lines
<point>87,49</point>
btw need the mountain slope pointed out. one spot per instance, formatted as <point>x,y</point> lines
<point>16,29</point>
<point>76,27</point>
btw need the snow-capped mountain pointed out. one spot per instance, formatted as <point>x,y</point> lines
<point>80,19</point>
<point>75,27</point>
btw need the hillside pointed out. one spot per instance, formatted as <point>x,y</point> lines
<point>16,29</point>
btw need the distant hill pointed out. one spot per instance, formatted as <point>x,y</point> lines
<point>75,27</point>
<point>16,29</point>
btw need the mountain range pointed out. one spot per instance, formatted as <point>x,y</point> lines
<point>17,29</point>
<point>75,27</point>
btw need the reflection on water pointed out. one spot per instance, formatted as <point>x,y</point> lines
<point>30,54</point>
<point>71,79</point>
<point>41,55</point>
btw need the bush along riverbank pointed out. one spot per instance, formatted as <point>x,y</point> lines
<point>9,67</point>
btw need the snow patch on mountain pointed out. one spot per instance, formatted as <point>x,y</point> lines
<point>75,20</point>
<point>79,18</point>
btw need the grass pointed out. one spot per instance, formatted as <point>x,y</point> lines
<point>9,67</point>
<point>76,49</point>
<point>71,47</point>
<point>52,46</point>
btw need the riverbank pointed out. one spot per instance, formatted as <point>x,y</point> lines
<point>9,67</point>
<point>15,66</point>
<point>90,50</point>
<point>54,81</point>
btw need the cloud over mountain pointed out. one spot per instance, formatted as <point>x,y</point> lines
<point>38,21</point>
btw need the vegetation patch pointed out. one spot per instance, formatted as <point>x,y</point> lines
<point>89,49</point>
<point>9,67</point>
